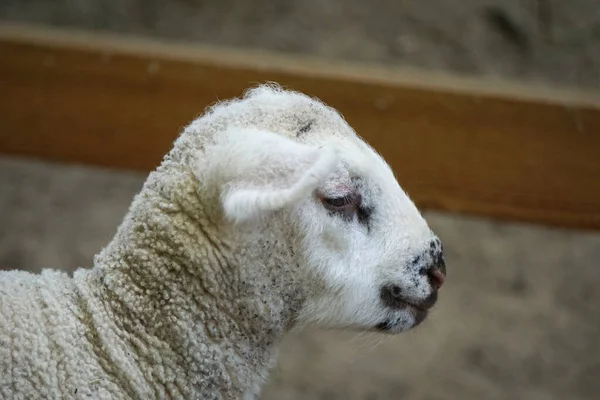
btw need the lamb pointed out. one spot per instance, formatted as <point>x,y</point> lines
<point>269,213</point>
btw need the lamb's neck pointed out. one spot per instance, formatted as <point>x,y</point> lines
<point>174,279</point>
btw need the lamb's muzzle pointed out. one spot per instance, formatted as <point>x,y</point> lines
<point>431,264</point>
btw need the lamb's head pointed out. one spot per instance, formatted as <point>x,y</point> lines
<point>369,259</point>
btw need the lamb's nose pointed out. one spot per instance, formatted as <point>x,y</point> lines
<point>436,277</point>
<point>436,270</point>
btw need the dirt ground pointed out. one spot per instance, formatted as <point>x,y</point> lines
<point>518,317</point>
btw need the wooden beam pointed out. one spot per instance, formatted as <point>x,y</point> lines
<point>481,147</point>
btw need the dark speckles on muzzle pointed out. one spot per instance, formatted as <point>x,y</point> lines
<point>435,262</point>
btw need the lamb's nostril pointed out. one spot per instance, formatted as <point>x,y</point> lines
<point>391,295</point>
<point>436,277</point>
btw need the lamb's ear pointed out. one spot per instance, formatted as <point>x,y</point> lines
<point>265,172</point>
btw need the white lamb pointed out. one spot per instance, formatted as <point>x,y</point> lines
<point>269,213</point>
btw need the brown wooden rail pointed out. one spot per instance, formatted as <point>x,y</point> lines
<point>488,148</point>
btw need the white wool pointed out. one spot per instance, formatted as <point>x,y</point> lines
<point>228,245</point>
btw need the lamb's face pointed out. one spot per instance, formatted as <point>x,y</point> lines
<point>375,261</point>
<point>370,259</point>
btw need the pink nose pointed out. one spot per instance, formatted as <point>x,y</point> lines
<point>436,277</point>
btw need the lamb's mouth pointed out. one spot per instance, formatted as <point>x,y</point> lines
<point>392,299</point>
<point>389,325</point>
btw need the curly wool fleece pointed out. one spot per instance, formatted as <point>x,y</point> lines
<point>183,302</point>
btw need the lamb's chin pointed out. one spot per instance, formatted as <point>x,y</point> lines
<point>401,322</point>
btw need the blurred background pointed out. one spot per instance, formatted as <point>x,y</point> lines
<point>553,41</point>
<point>518,317</point>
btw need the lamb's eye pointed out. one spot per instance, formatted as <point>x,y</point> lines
<point>338,202</point>
<point>347,205</point>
